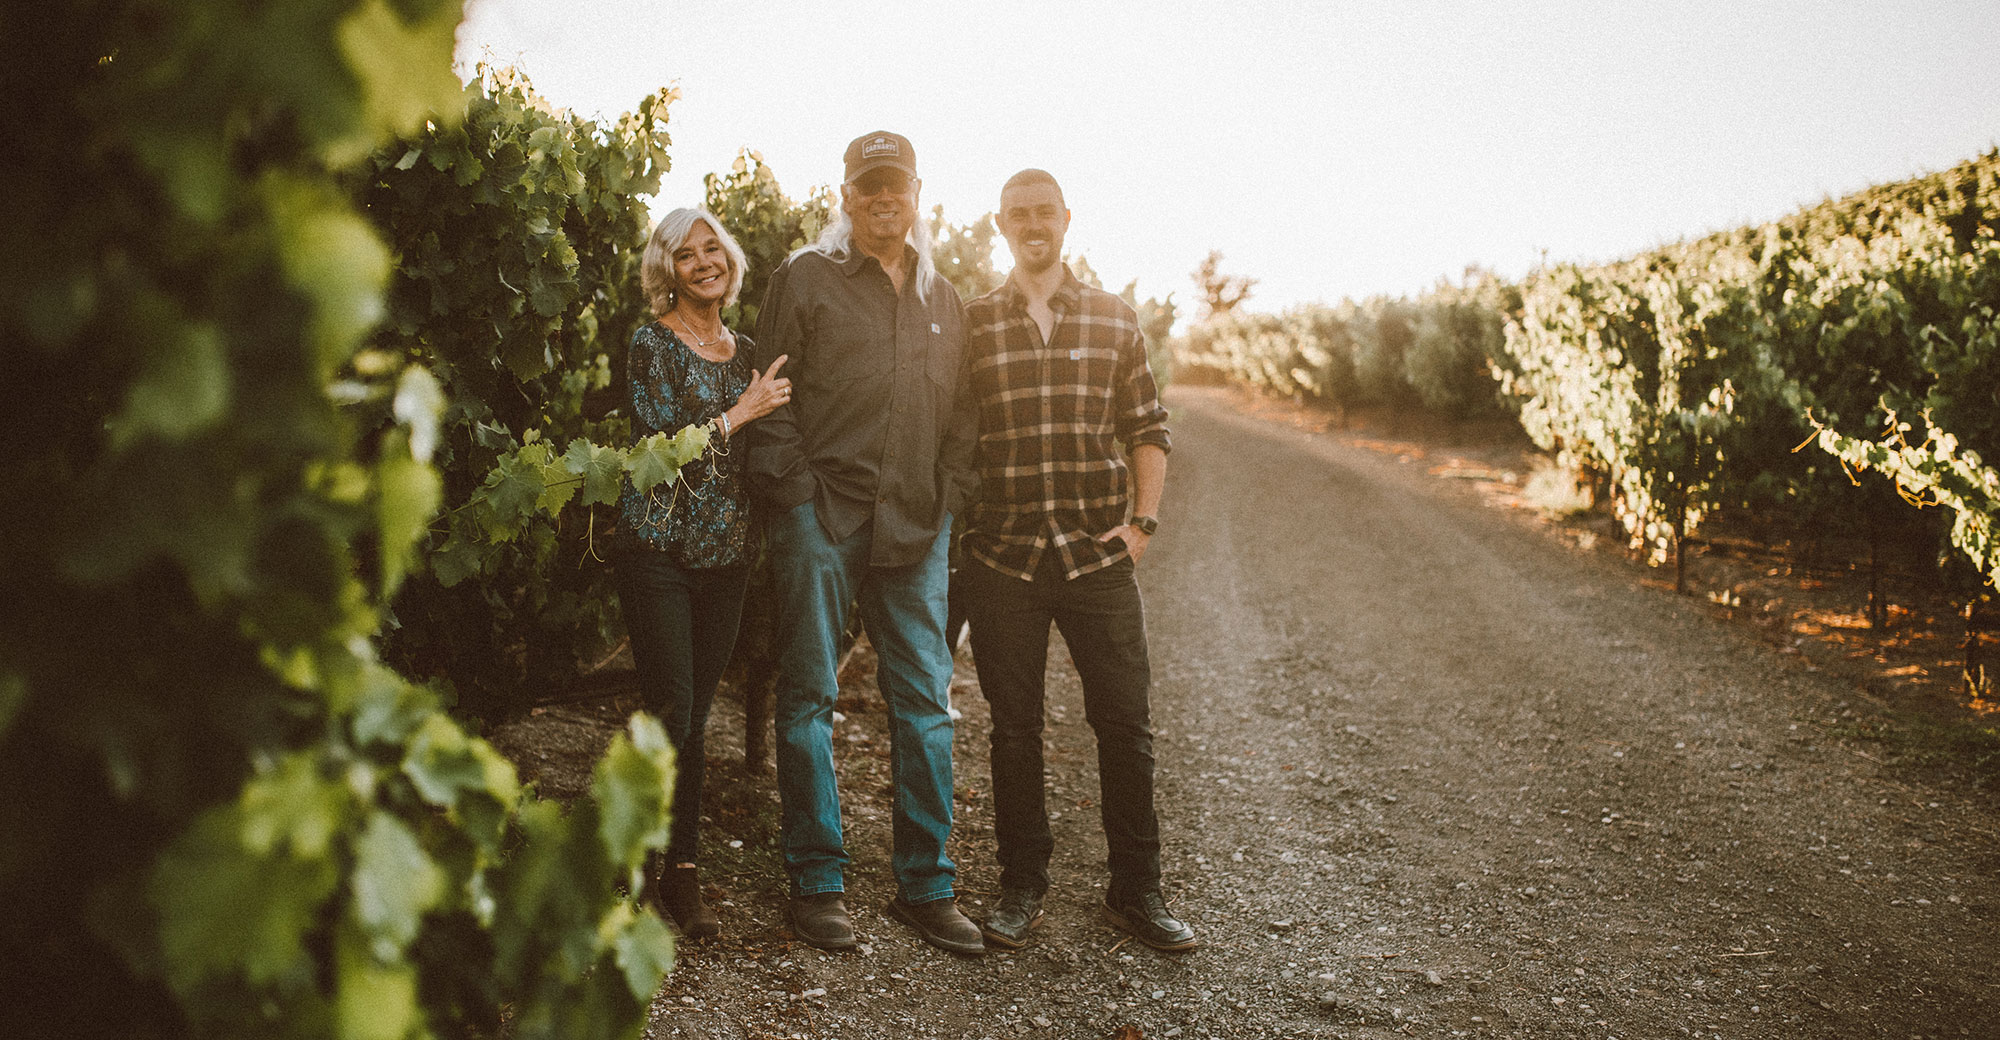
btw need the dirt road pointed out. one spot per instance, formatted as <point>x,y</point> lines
<point>1423,771</point>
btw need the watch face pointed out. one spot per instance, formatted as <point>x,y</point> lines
<point>1146,524</point>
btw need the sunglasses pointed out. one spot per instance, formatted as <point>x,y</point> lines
<point>875,182</point>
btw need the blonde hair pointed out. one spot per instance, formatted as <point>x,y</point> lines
<point>656,264</point>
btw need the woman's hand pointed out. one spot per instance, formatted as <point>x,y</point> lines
<point>767,390</point>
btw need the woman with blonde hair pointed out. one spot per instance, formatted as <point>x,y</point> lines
<point>682,555</point>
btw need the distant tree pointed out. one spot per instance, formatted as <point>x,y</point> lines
<point>1080,267</point>
<point>764,221</point>
<point>964,254</point>
<point>1156,323</point>
<point>1220,293</point>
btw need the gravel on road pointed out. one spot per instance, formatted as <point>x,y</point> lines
<point>1422,771</point>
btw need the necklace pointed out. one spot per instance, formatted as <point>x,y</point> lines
<point>698,341</point>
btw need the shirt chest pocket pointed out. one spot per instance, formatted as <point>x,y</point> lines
<point>1092,371</point>
<point>849,348</point>
<point>942,354</point>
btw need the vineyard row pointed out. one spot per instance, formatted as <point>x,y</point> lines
<point>1684,382</point>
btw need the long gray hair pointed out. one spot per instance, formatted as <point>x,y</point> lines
<point>837,242</point>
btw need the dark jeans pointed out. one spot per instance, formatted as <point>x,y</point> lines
<point>683,627</point>
<point>1102,620</point>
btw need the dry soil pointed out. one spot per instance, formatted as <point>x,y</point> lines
<point>1424,770</point>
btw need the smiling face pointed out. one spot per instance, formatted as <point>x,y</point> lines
<point>882,203</point>
<point>701,266</point>
<point>1033,221</point>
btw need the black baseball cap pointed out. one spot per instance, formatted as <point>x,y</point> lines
<point>877,149</point>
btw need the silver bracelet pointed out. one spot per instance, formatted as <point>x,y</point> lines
<point>723,418</point>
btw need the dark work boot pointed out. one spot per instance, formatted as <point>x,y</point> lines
<point>821,920</point>
<point>941,924</point>
<point>678,895</point>
<point>1144,915</point>
<point>1019,912</point>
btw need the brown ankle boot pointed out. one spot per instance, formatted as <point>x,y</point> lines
<point>677,893</point>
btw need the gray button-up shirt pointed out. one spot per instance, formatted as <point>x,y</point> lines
<point>880,428</point>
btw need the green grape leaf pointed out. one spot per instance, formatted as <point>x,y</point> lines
<point>602,469</point>
<point>559,485</point>
<point>498,779</point>
<point>183,388</point>
<point>547,878</point>
<point>515,485</point>
<point>226,911</point>
<point>395,882</point>
<point>524,347</point>
<point>652,462</point>
<point>388,708</point>
<point>410,493</point>
<point>485,818</point>
<point>375,999</point>
<point>404,70</point>
<point>634,784</point>
<point>543,140</point>
<point>333,258</point>
<point>294,808</point>
<point>691,441</point>
<point>659,458</point>
<point>458,559</point>
<point>645,952</point>
<point>190,160</point>
<point>493,436</point>
<point>548,296</point>
<point>564,254</point>
<point>443,760</point>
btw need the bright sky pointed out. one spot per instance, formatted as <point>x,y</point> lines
<point>1329,149</point>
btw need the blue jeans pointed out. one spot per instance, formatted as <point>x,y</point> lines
<point>903,612</point>
<point>683,627</point>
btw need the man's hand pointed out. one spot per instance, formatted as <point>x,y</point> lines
<point>1135,540</point>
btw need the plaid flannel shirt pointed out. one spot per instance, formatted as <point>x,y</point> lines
<point>1051,415</point>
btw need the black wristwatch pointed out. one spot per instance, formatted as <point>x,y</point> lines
<point>1147,524</point>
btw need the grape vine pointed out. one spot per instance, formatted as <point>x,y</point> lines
<point>1678,382</point>
<point>226,816</point>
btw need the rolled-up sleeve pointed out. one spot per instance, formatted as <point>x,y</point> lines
<point>1141,418</point>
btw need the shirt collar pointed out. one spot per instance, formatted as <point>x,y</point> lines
<point>857,260</point>
<point>1065,295</point>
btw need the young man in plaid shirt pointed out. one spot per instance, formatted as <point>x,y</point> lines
<point>1060,378</point>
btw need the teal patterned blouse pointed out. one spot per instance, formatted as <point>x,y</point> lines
<point>703,519</point>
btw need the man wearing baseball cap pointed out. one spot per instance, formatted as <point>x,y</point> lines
<point>859,476</point>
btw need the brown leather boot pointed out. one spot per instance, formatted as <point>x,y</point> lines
<point>941,924</point>
<point>821,920</point>
<point>677,893</point>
